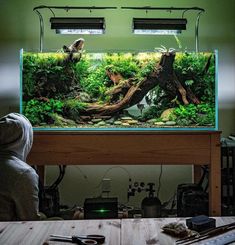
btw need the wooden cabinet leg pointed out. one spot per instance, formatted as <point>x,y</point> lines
<point>197,173</point>
<point>215,177</point>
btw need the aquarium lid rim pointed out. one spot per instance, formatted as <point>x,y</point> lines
<point>214,51</point>
<point>126,130</point>
<point>66,8</point>
<point>164,8</point>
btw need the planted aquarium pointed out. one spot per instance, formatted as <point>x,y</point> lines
<point>164,90</point>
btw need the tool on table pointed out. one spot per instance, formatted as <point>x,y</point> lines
<point>81,240</point>
<point>207,234</point>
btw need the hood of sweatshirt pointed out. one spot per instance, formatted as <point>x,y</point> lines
<point>16,136</point>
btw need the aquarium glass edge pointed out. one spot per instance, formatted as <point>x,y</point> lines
<point>123,129</point>
<point>216,90</point>
<point>128,129</point>
<point>21,81</point>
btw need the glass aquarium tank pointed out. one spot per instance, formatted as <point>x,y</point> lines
<point>164,90</point>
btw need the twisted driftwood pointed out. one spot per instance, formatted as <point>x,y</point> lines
<point>132,93</point>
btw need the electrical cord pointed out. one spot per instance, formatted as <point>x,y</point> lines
<point>60,177</point>
<point>82,173</point>
<point>204,178</point>
<point>104,175</point>
<point>109,169</point>
<point>171,200</point>
<point>159,181</point>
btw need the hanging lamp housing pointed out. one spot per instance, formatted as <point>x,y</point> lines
<point>159,26</point>
<point>73,25</point>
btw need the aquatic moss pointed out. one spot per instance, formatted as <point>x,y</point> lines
<point>40,111</point>
<point>93,76</point>
<point>202,114</point>
<point>125,64</point>
<point>46,75</point>
<point>95,82</point>
<point>60,121</point>
<point>186,63</point>
<point>190,69</point>
<point>151,112</point>
<point>73,107</point>
<point>75,104</point>
<point>29,70</point>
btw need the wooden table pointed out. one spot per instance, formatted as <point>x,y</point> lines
<point>148,231</point>
<point>38,232</point>
<point>116,232</point>
<point>133,148</point>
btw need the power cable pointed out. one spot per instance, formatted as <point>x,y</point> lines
<point>159,181</point>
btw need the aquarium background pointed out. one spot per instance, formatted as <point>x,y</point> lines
<point>161,90</point>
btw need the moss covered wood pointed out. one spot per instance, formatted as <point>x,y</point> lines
<point>163,74</point>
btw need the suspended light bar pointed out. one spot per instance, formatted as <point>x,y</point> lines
<point>158,26</point>
<point>70,25</point>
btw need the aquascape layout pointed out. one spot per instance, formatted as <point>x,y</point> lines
<point>117,91</point>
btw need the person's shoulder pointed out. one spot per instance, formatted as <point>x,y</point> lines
<point>18,167</point>
<point>15,173</point>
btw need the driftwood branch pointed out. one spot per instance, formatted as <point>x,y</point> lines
<point>127,93</point>
<point>137,91</point>
<point>114,77</point>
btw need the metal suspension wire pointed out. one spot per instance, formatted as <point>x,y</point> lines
<point>197,31</point>
<point>146,8</point>
<point>184,10</point>
<point>41,38</point>
<point>66,8</point>
<point>164,8</point>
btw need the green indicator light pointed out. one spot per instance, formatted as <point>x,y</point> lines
<point>101,211</point>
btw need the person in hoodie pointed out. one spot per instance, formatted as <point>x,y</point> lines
<point>18,181</point>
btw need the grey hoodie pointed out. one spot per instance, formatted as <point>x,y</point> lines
<point>18,181</point>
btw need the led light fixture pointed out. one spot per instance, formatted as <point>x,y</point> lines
<point>71,25</point>
<point>153,26</point>
<point>78,25</point>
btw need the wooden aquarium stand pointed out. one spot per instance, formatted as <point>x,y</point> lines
<point>133,148</point>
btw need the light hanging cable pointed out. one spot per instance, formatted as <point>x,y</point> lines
<point>168,30</point>
<point>83,25</point>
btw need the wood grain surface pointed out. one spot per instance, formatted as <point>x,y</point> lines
<point>116,232</point>
<point>149,232</point>
<point>38,232</point>
<point>123,148</point>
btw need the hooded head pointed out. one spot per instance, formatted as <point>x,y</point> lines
<point>16,135</point>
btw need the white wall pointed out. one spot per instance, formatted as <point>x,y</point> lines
<point>19,28</point>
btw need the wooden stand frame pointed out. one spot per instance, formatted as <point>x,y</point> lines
<point>133,148</point>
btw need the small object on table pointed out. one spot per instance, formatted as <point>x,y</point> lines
<point>46,243</point>
<point>177,229</point>
<point>200,223</point>
<point>214,232</point>
<point>81,240</point>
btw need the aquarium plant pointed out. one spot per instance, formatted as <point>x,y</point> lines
<point>153,90</point>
